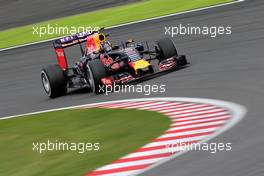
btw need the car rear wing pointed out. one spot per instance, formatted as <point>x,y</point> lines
<point>61,43</point>
<point>64,42</point>
<point>70,40</point>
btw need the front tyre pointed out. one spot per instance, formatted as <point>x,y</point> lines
<point>167,49</point>
<point>53,81</point>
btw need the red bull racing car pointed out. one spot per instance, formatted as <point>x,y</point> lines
<point>103,64</point>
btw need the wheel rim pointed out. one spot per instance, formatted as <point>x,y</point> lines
<point>46,83</point>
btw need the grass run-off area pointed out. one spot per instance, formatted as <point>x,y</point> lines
<point>103,18</point>
<point>118,133</point>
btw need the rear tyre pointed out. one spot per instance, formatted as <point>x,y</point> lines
<point>96,71</point>
<point>53,81</point>
<point>167,49</point>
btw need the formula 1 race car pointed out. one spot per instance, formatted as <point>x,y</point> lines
<point>104,64</point>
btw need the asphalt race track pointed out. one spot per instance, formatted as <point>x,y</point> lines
<point>227,68</point>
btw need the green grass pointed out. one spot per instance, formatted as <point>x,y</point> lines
<point>119,132</point>
<point>105,17</point>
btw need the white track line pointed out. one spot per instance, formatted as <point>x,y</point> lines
<point>133,163</point>
<point>197,138</point>
<point>176,119</point>
<point>201,121</point>
<point>186,109</point>
<point>198,125</point>
<point>192,111</point>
